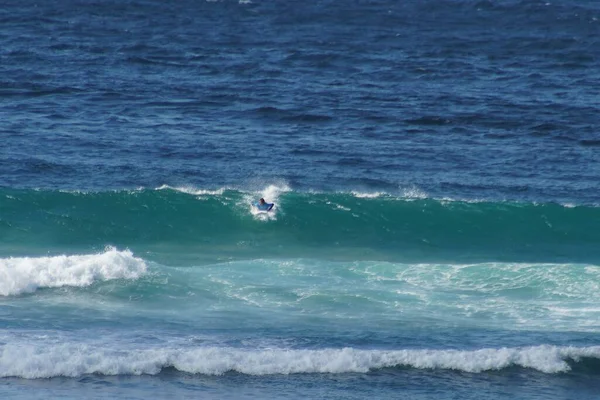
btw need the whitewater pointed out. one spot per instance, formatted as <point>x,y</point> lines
<point>280,316</point>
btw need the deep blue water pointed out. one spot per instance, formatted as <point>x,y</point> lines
<point>435,169</point>
<point>459,98</point>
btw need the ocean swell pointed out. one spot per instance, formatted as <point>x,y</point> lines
<point>327,224</point>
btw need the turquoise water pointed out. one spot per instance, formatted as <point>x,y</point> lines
<point>195,286</point>
<point>215,225</point>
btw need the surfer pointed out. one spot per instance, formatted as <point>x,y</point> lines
<point>262,205</point>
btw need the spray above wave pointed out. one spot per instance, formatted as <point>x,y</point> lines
<point>27,274</point>
<point>74,360</point>
<point>302,224</point>
<point>247,201</point>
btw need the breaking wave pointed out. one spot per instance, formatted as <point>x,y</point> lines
<point>27,274</point>
<point>73,360</point>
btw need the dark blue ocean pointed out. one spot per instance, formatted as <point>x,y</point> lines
<point>434,166</point>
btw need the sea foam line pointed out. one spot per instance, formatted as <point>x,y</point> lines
<point>73,360</point>
<point>27,274</point>
<point>188,189</point>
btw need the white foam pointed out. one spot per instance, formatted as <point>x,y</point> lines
<point>414,192</point>
<point>73,360</point>
<point>407,193</point>
<point>362,195</point>
<point>271,195</point>
<point>272,192</point>
<point>188,189</point>
<point>90,191</point>
<point>27,274</point>
<point>340,207</point>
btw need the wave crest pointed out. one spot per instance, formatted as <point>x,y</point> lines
<point>72,360</point>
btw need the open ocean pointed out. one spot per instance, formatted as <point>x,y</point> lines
<point>435,166</point>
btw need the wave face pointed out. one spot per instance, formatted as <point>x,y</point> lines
<point>352,226</point>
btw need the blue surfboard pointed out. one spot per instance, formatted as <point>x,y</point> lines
<point>264,207</point>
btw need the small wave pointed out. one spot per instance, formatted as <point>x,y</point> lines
<point>414,192</point>
<point>428,120</point>
<point>74,360</point>
<point>268,110</point>
<point>407,193</point>
<point>308,118</point>
<point>367,195</point>
<point>193,190</point>
<point>27,274</point>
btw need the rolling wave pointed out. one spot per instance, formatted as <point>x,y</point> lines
<point>337,225</point>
